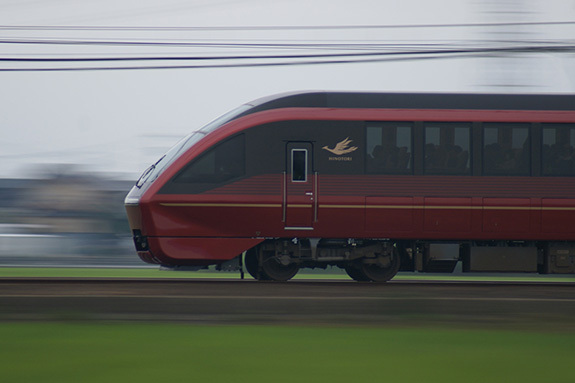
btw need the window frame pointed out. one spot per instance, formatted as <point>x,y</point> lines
<point>556,127</point>
<point>305,165</point>
<point>369,158</point>
<point>527,144</point>
<point>443,171</point>
<point>179,178</point>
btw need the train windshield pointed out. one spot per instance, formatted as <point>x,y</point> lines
<point>231,115</point>
<point>152,172</point>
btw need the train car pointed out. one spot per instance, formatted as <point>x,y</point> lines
<point>372,183</point>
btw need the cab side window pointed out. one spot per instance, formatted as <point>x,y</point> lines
<point>222,163</point>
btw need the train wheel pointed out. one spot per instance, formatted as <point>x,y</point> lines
<point>273,268</point>
<point>355,272</point>
<point>251,262</point>
<point>383,268</point>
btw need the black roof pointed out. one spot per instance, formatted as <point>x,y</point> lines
<point>415,101</point>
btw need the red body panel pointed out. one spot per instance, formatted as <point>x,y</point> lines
<point>198,251</point>
<point>430,211</point>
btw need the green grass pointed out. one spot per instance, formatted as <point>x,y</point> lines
<point>63,353</point>
<point>488,278</point>
<point>22,272</point>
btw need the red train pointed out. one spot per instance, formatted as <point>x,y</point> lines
<point>373,183</point>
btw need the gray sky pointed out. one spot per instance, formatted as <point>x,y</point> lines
<point>120,121</point>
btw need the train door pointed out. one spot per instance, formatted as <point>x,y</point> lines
<point>300,202</point>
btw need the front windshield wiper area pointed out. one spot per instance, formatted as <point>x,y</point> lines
<point>144,177</point>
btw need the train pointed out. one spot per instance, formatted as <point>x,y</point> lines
<point>372,183</point>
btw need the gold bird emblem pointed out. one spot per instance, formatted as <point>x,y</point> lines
<point>342,147</point>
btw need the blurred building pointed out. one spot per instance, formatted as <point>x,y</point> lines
<point>69,214</point>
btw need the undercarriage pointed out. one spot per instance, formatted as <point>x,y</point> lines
<point>378,260</point>
<point>363,260</point>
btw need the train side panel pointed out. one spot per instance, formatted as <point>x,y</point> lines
<point>320,178</point>
<point>349,203</point>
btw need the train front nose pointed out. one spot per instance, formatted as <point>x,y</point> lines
<point>134,212</point>
<point>132,205</point>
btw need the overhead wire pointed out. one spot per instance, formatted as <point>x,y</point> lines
<point>517,48</point>
<point>277,28</point>
<point>195,43</point>
<point>335,51</point>
<point>211,66</point>
<point>388,57</point>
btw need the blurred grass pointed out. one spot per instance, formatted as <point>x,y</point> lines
<point>38,272</point>
<point>87,352</point>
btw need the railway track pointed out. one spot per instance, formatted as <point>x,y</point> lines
<point>500,304</point>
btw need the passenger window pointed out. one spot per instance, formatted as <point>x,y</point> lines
<point>299,165</point>
<point>506,149</point>
<point>220,164</point>
<point>447,148</point>
<point>558,154</point>
<point>388,149</point>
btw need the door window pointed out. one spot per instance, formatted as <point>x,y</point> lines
<point>299,165</point>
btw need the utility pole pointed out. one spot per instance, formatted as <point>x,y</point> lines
<point>512,72</point>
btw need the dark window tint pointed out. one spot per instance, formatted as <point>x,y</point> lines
<point>299,165</point>
<point>558,154</point>
<point>447,148</point>
<point>506,149</point>
<point>220,164</point>
<point>388,149</point>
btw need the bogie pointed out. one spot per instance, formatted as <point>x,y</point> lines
<point>364,261</point>
<point>382,267</point>
<point>264,263</point>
